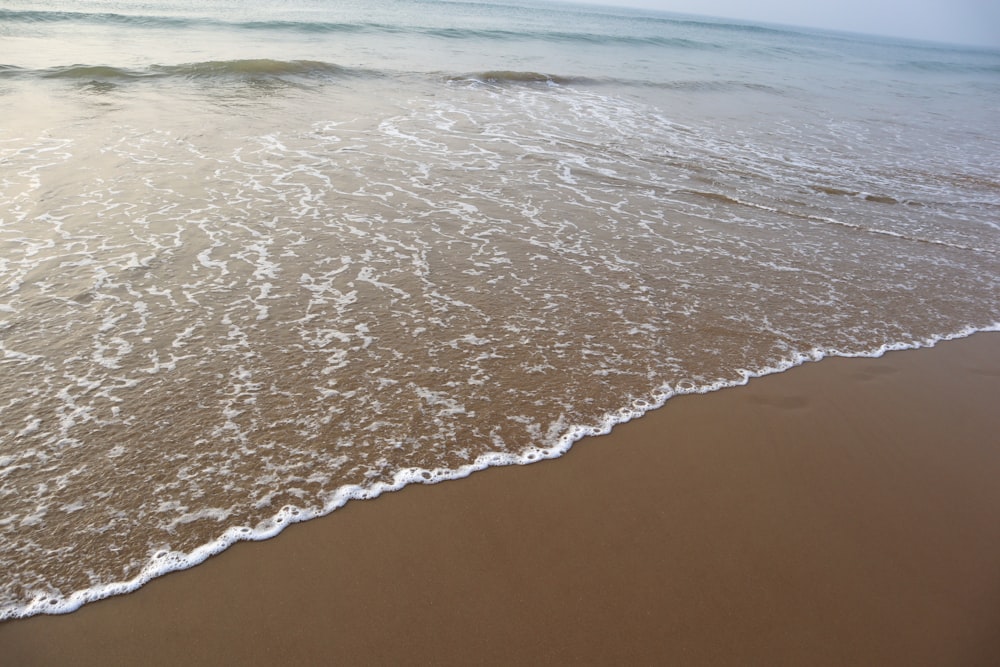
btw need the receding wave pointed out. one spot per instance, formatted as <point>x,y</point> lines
<point>721,198</point>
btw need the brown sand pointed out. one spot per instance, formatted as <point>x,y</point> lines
<point>842,513</point>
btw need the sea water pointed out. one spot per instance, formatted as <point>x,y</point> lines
<point>258,259</point>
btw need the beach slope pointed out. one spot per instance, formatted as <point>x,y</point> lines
<point>841,513</point>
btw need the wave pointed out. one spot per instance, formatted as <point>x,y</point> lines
<point>89,72</point>
<point>263,69</point>
<point>710,86</point>
<point>164,561</point>
<point>950,67</point>
<point>166,21</point>
<point>258,68</point>
<point>46,16</point>
<point>856,226</point>
<point>509,77</point>
<point>254,69</point>
<point>450,33</point>
<point>503,77</point>
<point>583,38</point>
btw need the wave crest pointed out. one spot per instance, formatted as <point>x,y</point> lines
<point>254,69</point>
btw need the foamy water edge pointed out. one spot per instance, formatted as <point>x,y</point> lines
<point>164,562</point>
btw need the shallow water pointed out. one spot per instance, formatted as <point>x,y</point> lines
<point>256,261</point>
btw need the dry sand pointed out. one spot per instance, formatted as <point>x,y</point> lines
<point>843,513</point>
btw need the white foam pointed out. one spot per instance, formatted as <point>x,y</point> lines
<point>204,258</point>
<point>405,234</point>
<point>561,438</point>
<point>30,427</point>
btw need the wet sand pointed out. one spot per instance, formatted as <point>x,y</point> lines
<point>846,512</point>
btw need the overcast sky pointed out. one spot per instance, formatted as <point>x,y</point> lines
<point>958,21</point>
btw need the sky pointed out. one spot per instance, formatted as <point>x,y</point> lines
<point>956,21</point>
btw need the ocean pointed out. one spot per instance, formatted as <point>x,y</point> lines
<point>258,259</point>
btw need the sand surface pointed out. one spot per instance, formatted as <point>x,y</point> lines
<point>843,513</point>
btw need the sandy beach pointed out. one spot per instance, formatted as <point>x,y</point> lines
<point>841,513</point>
<point>258,258</point>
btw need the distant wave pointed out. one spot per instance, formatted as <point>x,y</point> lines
<point>44,16</point>
<point>946,66</point>
<point>714,85</point>
<point>161,21</point>
<point>560,36</point>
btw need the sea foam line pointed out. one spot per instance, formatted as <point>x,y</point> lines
<point>163,562</point>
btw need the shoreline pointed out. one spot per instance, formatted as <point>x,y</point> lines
<point>285,517</point>
<point>839,512</point>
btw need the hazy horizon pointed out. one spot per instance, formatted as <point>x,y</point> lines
<point>968,22</point>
